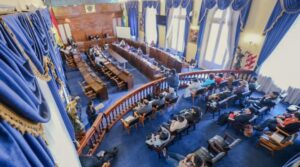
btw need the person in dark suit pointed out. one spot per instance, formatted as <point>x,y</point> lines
<point>173,80</point>
<point>91,113</point>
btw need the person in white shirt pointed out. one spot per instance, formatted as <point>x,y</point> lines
<point>178,124</point>
<point>160,138</point>
<point>192,88</point>
<point>99,59</point>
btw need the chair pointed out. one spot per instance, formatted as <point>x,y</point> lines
<point>199,92</point>
<point>132,123</point>
<point>169,102</point>
<point>223,85</point>
<point>226,143</point>
<point>236,83</point>
<point>277,140</point>
<point>159,107</point>
<point>217,148</point>
<point>87,90</point>
<point>120,84</point>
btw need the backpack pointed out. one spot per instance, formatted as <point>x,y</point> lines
<point>223,119</point>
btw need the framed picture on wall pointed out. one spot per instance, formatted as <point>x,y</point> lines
<point>193,35</point>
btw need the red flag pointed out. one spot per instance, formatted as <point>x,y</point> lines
<point>55,27</point>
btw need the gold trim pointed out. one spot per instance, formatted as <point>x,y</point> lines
<point>21,124</point>
<point>47,60</point>
<point>45,76</point>
<point>47,63</point>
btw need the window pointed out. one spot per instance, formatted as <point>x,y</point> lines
<point>216,54</point>
<point>283,63</point>
<point>117,22</point>
<point>150,25</point>
<point>176,28</point>
<point>65,32</point>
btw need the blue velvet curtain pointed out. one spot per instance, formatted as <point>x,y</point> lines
<point>245,9</point>
<point>133,17</point>
<point>242,5</point>
<point>282,18</point>
<point>33,33</point>
<point>19,90</point>
<point>151,4</point>
<point>188,4</point>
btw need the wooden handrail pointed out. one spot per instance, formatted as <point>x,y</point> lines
<point>106,120</point>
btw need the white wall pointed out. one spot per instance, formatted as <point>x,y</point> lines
<point>58,139</point>
<point>21,4</point>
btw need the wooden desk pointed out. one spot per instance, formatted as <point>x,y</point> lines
<point>119,58</point>
<point>161,56</point>
<point>83,46</point>
<point>91,78</point>
<point>143,65</point>
<point>123,75</point>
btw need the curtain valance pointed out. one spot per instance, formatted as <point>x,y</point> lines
<point>290,6</point>
<point>222,5</point>
<point>282,6</point>
<point>282,18</point>
<point>133,12</point>
<point>150,4</point>
<point>175,3</point>
<point>132,5</point>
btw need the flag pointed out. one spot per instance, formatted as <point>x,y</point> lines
<point>57,34</point>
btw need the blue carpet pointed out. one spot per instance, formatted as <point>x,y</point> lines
<point>134,152</point>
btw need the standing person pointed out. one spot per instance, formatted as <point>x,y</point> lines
<point>173,80</point>
<point>91,113</point>
<point>72,109</point>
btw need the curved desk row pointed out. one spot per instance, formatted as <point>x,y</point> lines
<point>162,57</point>
<point>148,69</point>
<point>92,80</point>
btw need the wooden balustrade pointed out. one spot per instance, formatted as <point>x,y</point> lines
<point>113,114</point>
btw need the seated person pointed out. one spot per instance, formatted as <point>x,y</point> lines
<point>219,78</point>
<point>99,59</point>
<point>193,115</point>
<point>192,88</point>
<point>242,88</point>
<point>282,122</point>
<point>122,43</point>
<point>232,77</point>
<point>242,118</point>
<point>139,51</point>
<point>253,84</point>
<point>209,81</point>
<point>160,138</point>
<point>107,156</point>
<point>152,44</point>
<point>219,96</point>
<point>191,160</point>
<point>159,101</point>
<point>268,100</point>
<point>171,94</point>
<point>178,124</point>
<point>143,108</point>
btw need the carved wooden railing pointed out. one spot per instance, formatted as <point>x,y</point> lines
<point>106,120</point>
